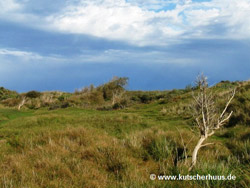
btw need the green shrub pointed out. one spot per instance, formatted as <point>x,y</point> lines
<point>240,149</point>
<point>157,147</point>
<point>5,94</point>
<point>225,84</point>
<point>241,109</point>
<point>33,94</point>
<point>96,97</point>
<point>245,136</point>
<point>135,98</point>
<point>55,106</point>
<point>145,98</point>
<point>61,98</point>
<point>65,105</point>
<point>121,104</point>
<point>229,134</point>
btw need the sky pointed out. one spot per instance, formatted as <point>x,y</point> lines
<point>159,44</point>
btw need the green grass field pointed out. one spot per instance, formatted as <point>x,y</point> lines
<point>83,147</point>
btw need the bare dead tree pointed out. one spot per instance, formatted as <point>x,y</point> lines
<point>117,96</point>
<point>22,103</point>
<point>207,118</point>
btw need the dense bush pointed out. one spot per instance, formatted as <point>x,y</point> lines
<point>121,104</point>
<point>241,109</point>
<point>117,84</point>
<point>240,149</point>
<point>5,94</point>
<point>33,94</point>
<point>110,94</point>
<point>225,84</point>
<point>96,97</point>
<point>61,98</point>
<point>157,147</point>
<point>55,106</point>
<point>145,98</point>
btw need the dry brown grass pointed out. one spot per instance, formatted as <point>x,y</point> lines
<point>75,157</point>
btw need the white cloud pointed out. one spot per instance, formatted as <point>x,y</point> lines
<point>132,56</point>
<point>114,20</point>
<point>17,53</point>
<point>130,22</point>
<point>29,56</point>
<point>9,6</point>
<point>141,22</point>
<point>236,16</point>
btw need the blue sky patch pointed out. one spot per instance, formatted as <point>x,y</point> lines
<point>64,45</point>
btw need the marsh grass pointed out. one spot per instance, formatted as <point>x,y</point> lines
<point>76,147</point>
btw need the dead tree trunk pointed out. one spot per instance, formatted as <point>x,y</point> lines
<point>207,118</point>
<point>22,103</point>
<point>195,152</point>
<point>117,96</point>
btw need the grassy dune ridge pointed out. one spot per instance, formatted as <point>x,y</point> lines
<point>96,146</point>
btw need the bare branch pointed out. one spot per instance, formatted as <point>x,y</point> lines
<point>189,141</point>
<point>207,144</point>
<point>206,115</point>
<point>210,134</point>
<point>220,123</point>
<point>222,114</point>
